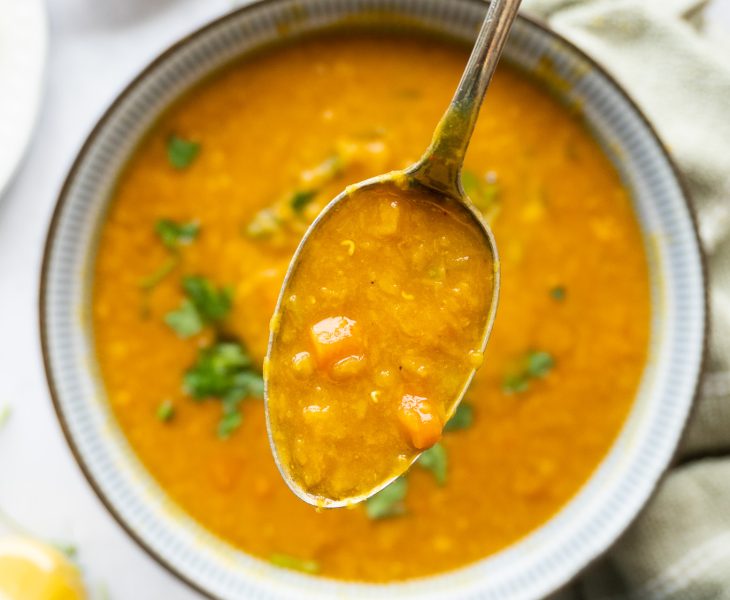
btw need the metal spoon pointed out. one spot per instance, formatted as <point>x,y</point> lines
<point>439,170</point>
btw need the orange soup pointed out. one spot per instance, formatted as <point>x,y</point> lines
<point>197,240</point>
<point>380,327</point>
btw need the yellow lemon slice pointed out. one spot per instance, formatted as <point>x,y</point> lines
<point>32,570</point>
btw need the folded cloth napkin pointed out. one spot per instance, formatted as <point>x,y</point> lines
<point>680,545</point>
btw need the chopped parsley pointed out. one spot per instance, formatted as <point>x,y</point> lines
<point>158,275</point>
<point>297,564</point>
<point>280,215</point>
<point>185,320</point>
<point>69,550</point>
<point>483,191</point>
<point>224,371</point>
<point>212,304</point>
<point>539,364</point>
<point>203,305</point>
<point>301,199</point>
<point>174,234</point>
<point>462,418</point>
<point>435,460</point>
<point>515,383</point>
<point>534,365</point>
<point>230,421</point>
<point>166,411</point>
<point>181,153</point>
<point>557,293</point>
<point>388,502</point>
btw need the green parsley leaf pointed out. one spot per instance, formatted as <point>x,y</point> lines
<point>250,381</point>
<point>534,365</point>
<point>539,364</point>
<point>214,373</point>
<point>483,192</point>
<point>212,304</point>
<point>558,293</point>
<point>224,371</point>
<point>69,550</point>
<point>166,411</point>
<point>296,564</point>
<point>181,152</point>
<point>162,271</point>
<point>174,234</point>
<point>435,460</point>
<point>388,502</point>
<point>203,305</point>
<point>462,418</point>
<point>186,320</point>
<point>228,424</point>
<point>516,383</point>
<point>300,199</point>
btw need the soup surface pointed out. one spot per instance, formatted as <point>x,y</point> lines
<point>199,235</point>
<point>379,329</point>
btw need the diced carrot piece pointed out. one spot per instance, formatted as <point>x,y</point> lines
<point>420,420</point>
<point>335,338</point>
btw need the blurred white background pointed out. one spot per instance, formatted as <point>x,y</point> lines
<point>96,47</point>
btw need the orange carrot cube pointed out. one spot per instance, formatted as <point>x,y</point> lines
<point>420,421</point>
<point>335,338</point>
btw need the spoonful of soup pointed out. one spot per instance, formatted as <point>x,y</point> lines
<point>385,312</point>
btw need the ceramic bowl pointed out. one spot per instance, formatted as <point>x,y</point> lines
<point>550,555</point>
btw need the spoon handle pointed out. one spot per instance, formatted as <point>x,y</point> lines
<point>440,166</point>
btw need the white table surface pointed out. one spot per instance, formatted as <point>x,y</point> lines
<point>96,47</point>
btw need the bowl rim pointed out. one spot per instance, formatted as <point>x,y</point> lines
<point>181,42</point>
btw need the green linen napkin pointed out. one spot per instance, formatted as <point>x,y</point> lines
<point>680,545</point>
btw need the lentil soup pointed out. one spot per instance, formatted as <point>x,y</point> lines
<point>196,243</point>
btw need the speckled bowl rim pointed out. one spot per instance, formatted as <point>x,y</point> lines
<point>144,73</point>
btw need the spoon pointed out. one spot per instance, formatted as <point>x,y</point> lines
<point>437,177</point>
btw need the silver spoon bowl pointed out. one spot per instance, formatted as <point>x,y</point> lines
<point>438,170</point>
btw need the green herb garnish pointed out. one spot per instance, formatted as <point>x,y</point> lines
<point>224,371</point>
<point>483,192</point>
<point>534,365</point>
<point>388,502</point>
<point>557,293</point>
<point>203,305</point>
<point>162,271</point>
<point>515,383</point>
<point>435,460</point>
<point>301,199</point>
<point>173,234</point>
<point>229,422</point>
<point>69,550</point>
<point>217,373</point>
<point>297,564</point>
<point>212,304</point>
<point>166,411</point>
<point>186,320</point>
<point>462,418</point>
<point>539,364</point>
<point>181,152</point>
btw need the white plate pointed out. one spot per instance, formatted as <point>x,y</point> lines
<point>23,46</point>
